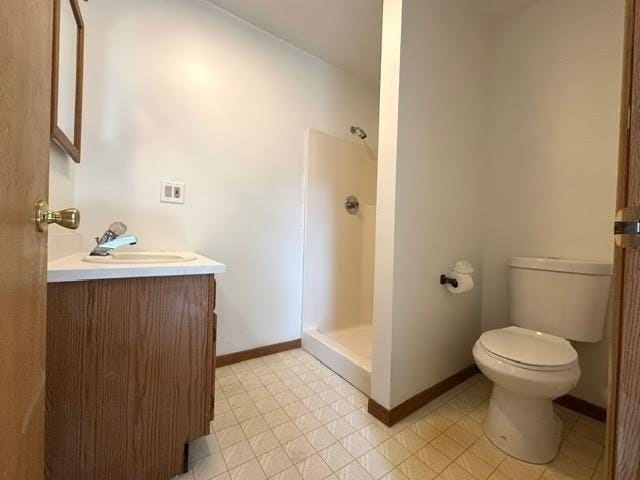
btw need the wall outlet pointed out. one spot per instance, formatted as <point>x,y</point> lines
<point>171,192</point>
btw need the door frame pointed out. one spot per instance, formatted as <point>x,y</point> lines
<point>623,419</point>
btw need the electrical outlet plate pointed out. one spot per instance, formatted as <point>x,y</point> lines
<point>171,192</point>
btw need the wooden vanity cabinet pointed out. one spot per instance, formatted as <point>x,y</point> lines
<point>130,372</point>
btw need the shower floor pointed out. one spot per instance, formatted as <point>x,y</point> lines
<point>347,351</point>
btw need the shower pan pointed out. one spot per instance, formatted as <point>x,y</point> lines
<point>338,255</point>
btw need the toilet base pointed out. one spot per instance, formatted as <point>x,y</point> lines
<point>525,428</point>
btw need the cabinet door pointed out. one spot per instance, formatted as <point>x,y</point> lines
<point>129,376</point>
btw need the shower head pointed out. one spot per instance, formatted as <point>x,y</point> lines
<point>359,132</point>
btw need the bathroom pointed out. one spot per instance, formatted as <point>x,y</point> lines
<point>354,190</point>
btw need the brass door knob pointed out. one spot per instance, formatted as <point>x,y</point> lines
<point>68,218</point>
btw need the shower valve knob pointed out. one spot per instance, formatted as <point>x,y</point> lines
<point>352,205</point>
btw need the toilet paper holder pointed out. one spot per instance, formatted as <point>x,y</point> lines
<point>444,280</point>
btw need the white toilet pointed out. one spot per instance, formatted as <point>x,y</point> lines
<point>532,363</point>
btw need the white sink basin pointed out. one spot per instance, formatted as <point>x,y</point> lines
<point>140,257</point>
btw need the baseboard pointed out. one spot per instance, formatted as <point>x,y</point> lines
<point>236,357</point>
<point>582,406</point>
<point>406,408</point>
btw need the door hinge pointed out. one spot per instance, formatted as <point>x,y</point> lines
<point>626,228</point>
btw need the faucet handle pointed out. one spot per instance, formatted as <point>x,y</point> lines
<point>118,228</point>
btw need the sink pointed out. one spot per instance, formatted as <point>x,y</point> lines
<point>140,257</point>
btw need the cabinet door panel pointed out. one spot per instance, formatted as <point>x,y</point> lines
<point>130,376</point>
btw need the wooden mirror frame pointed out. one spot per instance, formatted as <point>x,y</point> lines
<point>60,137</point>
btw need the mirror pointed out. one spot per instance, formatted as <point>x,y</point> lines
<point>67,74</point>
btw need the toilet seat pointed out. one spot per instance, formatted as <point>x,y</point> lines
<point>528,349</point>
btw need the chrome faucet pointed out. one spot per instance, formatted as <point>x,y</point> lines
<point>112,239</point>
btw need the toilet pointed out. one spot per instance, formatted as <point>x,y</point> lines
<point>531,362</point>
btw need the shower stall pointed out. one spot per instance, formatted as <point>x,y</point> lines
<point>339,254</point>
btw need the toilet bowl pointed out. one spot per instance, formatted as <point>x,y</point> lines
<point>529,370</point>
<point>531,363</point>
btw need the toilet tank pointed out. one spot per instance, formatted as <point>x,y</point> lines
<point>562,297</point>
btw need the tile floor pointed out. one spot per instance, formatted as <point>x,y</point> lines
<point>288,417</point>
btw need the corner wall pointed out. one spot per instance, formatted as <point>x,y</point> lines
<point>495,140</point>
<point>386,203</point>
<point>553,143</point>
<point>431,189</point>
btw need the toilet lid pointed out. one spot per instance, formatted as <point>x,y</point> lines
<point>529,347</point>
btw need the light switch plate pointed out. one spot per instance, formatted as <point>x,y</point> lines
<point>171,192</point>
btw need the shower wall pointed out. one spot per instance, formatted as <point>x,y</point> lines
<point>338,253</point>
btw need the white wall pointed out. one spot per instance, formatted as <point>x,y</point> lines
<point>555,89</point>
<point>431,191</point>
<point>62,169</point>
<point>181,90</point>
<point>386,202</point>
<point>495,141</point>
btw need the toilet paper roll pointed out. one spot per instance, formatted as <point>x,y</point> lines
<point>465,283</point>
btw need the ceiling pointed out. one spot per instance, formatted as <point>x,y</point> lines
<point>345,33</point>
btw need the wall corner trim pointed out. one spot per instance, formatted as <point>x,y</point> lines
<point>406,408</point>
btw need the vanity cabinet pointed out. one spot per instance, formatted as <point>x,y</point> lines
<point>130,373</point>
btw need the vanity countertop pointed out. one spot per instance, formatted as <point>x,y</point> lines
<point>73,269</point>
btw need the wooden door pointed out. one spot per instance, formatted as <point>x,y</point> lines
<point>25,83</point>
<point>624,403</point>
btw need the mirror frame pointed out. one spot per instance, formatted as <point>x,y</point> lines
<point>72,147</point>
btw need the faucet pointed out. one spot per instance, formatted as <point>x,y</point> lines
<point>112,239</point>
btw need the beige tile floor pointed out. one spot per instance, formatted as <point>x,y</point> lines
<point>288,417</point>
